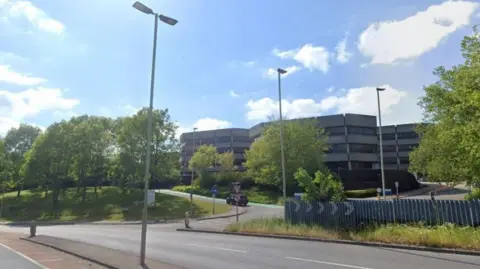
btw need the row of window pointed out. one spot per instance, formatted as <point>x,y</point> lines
<point>336,166</point>
<point>218,139</point>
<point>361,148</point>
<point>407,135</point>
<point>393,160</point>
<point>340,130</point>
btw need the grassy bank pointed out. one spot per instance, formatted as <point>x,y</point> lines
<point>254,194</point>
<point>257,195</point>
<point>447,236</point>
<point>107,204</point>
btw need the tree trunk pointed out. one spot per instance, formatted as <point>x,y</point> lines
<point>46,192</point>
<point>18,190</point>
<point>84,194</point>
<point>95,189</point>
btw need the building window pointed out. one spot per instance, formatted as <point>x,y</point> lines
<point>390,160</point>
<point>340,130</point>
<point>361,130</point>
<point>388,137</point>
<point>239,150</point>
<point>242,139</point>
<point>404,160</point>
<point>337,148</point>
<point>409,147</point>
<point>223,150</point>
<point>206,141</point>
<point>362,165</point>
<point>363,148</point>
<point>335,166</point>
<point>223,139</point>
<point>388,148</point>
<point>238,161</point>
<point>407,135</point>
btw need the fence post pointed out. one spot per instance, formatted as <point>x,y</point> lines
<point>393,207</point>
<point>471,213</point>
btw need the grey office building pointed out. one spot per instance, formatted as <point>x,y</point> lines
<point>352,138</point>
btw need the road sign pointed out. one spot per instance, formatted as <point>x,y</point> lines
<point>236,188</point>
<point>396,184</point>
<point>237,198</point>
<point>379,190</point>
<point>151,197</point>
<point>214,190</point>
<point>388,191</point>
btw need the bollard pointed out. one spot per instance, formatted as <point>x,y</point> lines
<point>33,228</point>
<point>187,220</point>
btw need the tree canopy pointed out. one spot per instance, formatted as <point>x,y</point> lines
<point>305,146</point>
<point>449,149</point>
<point>87,151</point>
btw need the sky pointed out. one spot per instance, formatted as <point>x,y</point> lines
<point>217,67</point>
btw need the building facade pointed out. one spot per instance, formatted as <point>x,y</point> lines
<point>353,141</point>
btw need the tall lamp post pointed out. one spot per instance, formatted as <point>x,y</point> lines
<point>191,182</point>
<point>141,7</point>
<point>380,139</point>
<point>282,147</point>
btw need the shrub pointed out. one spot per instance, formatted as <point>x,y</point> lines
<point>361,193</point>
<point>475,194</point>
<point>323,187</point>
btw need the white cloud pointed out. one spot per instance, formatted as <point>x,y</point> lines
<point>36,16</point>
<point>397,106</point>
<point>204,124</point>
<point>12,77</point>
<point>343,55</point>
<point>309,56</point>
<point>272,72</point>
<point>331,89</point>
<point>250,63</point>
<point>131,110</point>
<point>10,56</point>
<point>15,107</point>
<point>233,94</point>
<point>390,41</point>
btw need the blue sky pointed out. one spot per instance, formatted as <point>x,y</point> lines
<point>214,68</point>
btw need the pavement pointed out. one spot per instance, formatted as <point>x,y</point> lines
<point>20,254</point>
<point>443,192</point>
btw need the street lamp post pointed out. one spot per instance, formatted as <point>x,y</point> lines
<point>141,7</point>
<point>380,139</point>
<point>282,148</point>
<point>191,182</point>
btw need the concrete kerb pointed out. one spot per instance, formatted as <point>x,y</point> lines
<point>348,242</point>
<point>71,253</point>
<point>241,211</point>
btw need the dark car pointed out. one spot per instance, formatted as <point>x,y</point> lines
<point>243,200</point>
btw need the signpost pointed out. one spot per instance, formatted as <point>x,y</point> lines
<point>214,192</point>
<point>236,190</point>
<point>379,190</point>
<point>396,186</point>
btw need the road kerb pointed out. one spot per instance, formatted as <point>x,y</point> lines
<point>241,211</point>
<point>348,242</point>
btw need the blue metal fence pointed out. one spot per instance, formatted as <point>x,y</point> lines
<point>354,213</point>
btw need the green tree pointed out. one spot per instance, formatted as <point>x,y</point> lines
<point>323,187</point>
<point>203,158</point>
<point>305,146</point>
<point>227,168</point>
<point>449,149</point>
<point>17,142</point>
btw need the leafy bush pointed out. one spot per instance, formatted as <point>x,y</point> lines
<point>324,187</point>
<point>475,194</point>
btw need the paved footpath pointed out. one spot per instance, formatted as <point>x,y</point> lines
<point>20,254</point>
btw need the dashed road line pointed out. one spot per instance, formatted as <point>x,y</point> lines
<point>329,263</point>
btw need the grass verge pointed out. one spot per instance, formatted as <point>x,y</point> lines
<point>445,236</point>
<point>109,203</point>
<point>255,195</point>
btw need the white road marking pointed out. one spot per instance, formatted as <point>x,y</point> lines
<point>24,256</point>
<point>227,249</point>
<point>329,263</point>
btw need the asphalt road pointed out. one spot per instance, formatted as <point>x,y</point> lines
<point>9,259</point>
<point>443,193</point>
<point>196,250</point>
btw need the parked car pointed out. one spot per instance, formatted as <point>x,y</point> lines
<point>243,200</point>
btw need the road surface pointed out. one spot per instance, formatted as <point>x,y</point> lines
<point>442,192</point>
<point>10,259</point>
<point>196,250</point>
